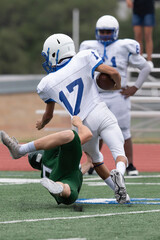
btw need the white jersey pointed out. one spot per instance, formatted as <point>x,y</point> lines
<point>119,55</point>
<point>73,86</point>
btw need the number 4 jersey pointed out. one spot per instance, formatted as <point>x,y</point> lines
<point>120,54</point>
<point>73,85</point>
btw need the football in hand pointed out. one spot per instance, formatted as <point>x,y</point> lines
<point>104,81</point>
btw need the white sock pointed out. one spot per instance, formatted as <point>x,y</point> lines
<point>110,183</point>
<point>27,148</point>
<point>121,167</point>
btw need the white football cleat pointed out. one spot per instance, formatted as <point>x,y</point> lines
<point>11,144</point>
<point>51,186</point>
<point>120,188</point>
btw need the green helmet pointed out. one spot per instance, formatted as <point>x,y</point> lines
<point>35,159</point>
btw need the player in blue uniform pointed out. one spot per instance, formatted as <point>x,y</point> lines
<point>119,53</point>
<point>70,83</point>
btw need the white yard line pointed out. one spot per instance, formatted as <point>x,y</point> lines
<point>126,177</point>
<point>80,217</point>
<point>88,181</point>
<point>11,181</point>
<point>93,184</point>
<point>68,239</point>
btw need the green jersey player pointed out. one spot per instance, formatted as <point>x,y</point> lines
<point>59,162</point>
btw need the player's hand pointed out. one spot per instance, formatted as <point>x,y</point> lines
<point>76,121</point>
<point>39,125</point>
<point>128,91</point>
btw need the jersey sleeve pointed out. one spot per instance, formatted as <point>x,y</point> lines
<point>138,61</point>
<point>94,60</point>
<point>91,59</point>
<point>43,92</point>
<point>132,46</point>
<point>134,57</point>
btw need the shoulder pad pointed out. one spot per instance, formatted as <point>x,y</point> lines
<point>131,45</point>
<point>87,44</point>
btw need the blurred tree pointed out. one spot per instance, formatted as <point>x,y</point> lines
<point>24,25</point>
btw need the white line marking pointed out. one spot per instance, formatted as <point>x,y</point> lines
<point>80,217</point>
<point>11,181</point>
<point>93,184</point>
<point>142,183</point>
<point>126,177</point>
<point>143,176</point>
<point>68,239</point>
<point>18,181</point>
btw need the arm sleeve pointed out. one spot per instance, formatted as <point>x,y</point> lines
<point>138,61</point>
<point>143,74</point>
<point>94,60</point>
<point>43,95</point>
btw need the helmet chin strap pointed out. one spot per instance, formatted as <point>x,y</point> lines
<point>107,43</point>
<point>106,40</point>
<point>104,54</point>
<point>48,65</point>
<point>57,56</point>
<point>59,66</point>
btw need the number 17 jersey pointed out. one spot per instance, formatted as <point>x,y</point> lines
<point>73,86</point>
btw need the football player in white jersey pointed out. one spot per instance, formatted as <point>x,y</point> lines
<point>119,53</point>
<point>71,84</point>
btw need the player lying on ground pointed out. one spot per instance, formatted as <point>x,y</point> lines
<point>59,162</point>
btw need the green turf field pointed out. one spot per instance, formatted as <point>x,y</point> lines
<point>28,211</point>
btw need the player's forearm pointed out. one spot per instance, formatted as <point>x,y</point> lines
<point>84,134</point>
<point>48,115</point>
<point>114,74</point>
<point>41,123</point>
<point>117,78</point>
<point>46,119</point>
<point>142,77</point>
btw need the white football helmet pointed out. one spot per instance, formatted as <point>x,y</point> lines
<point>107,22</point>
<point>55,48</point>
